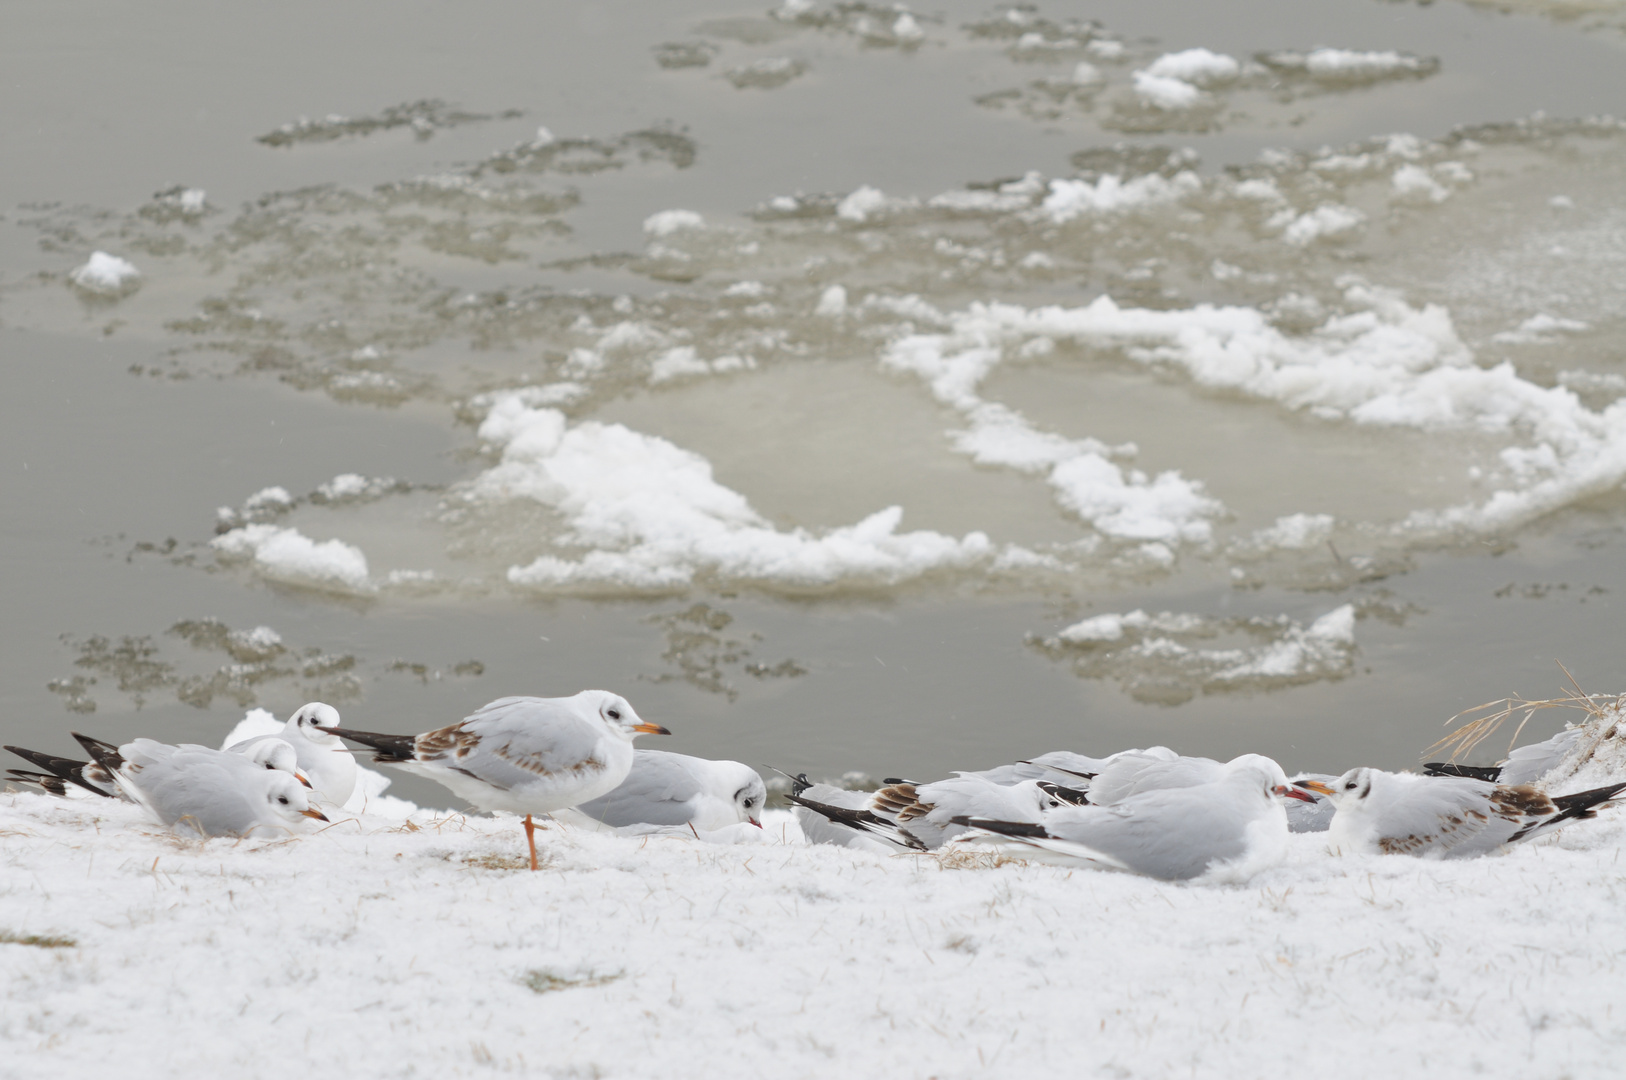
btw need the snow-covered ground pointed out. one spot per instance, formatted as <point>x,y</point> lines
<point>378,948</point>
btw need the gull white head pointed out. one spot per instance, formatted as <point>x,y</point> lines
<point>276,755</point>
<point>1349,791</point>
<point>313,720</point>
<point>750,793</point>
<point>1272,780</point>
<point>287,800</point>
<point>617,714</point>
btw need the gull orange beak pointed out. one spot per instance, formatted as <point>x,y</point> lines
<point>1313,785</point>
<point>301,778</point>
<point>317,814</point>
<point>650,729</point>
<point>1290,793</point>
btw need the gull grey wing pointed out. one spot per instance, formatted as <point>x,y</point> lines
<point>517,741</point>
<point>657,791</point>
<point>1173,834</point>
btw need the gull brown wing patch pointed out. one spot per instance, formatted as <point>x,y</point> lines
<point>454,740</point>
<point>537,762</point>
<point>901,800</point>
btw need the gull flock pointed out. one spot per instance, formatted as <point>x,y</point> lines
<point>1150,812</point>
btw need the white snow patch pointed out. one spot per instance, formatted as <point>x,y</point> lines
<point>668,222</point>
<point>1329,222</point>
<point>1199,67</point>
<point>1161,92</point>
<point>1412,183</point>
<point>1069,199</point>
<point>288,555</point>
<point>859,205</point>
<point>832,302</point>
<point>106,275</point>
<point>653,517</point>
<point>1540,329</point>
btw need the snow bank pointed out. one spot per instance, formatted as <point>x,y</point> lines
<point>288,555</point>
<point>653,517</point>
<point>390,948</point>
<point>106,275</point>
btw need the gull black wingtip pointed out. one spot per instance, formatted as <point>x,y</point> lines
<point>1003,828</point>
<point>389,747</point>
<point>61,768</point>
<point>104,753</point>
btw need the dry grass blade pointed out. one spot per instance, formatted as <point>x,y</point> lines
<point>1465,737</point>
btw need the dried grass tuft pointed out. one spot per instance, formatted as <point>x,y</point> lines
<point>546,980</point>
<point>39,941</point>
<point>1466,736</point>
<point>965,857</point>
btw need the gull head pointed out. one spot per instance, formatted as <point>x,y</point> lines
<point>1257,769</point>
<point>750,793</point>
<point>1351,789</point>
<point>276,755</point>
<point>314,720</point>
<point>617,714</point>
<point>288,800</point>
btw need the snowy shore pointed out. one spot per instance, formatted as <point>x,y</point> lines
<point>380,948</point>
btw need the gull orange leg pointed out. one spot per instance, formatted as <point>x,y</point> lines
<point>530,838</point>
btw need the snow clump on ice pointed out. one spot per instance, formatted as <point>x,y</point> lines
<point>106,275</point>
<point>288,555</point>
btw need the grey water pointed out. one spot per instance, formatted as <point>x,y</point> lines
<point>123,432</point>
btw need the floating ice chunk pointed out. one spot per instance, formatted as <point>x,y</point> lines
<point>1198,67</point>
<point>1069,199</point>
<point>832,302</point>
<point>288,555</point>
<point>1412,183</point>
<point>1162,92</point>
<point>653,517</point>
<point>749,289</point>
<point>683,361</point>
<point>907,28</point>
<point>192,200</point>
<point>1297,532</point>
<point>1329,222</point>
<point>268,500</point>
<point>106,275</point>
<point>861,204</point>
<point>1561,202</point>
<point>668,222</point>
<point>1345,65</point>
<point>1106,48</point>
<point>544,137</point>
<point>1087,74</point>
<point>1540,329</point>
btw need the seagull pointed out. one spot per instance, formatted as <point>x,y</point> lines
<point>322,755</point>
<point>818,828</point>
<point>91,776</point>
<point>1447,817</point>
<point>209,792</point>
<point>1135,771</point>
<point>922,817</point>
<point>525,755</point>
<point>1525,765</point>
<point>1227,829</point>
<point>675,789</point>
<point>1315,814</point>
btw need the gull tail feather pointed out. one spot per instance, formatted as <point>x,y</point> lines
<point>391,748</point>
<point>1035,843</point>
<point>60,767</point>
<point>863,821</point>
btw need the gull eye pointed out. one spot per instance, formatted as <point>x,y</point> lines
<point>283,799</point>
<point>615,714</point>
<point>1350,786</point>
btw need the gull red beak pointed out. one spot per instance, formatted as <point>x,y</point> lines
<point>1292,793</point>
<point>1313,785</point>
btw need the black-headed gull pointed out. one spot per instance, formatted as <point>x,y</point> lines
<point>523,755</point>
<point>323,758</point>
<point>1227,829</point>
<point>663,788</point>
<point>1447,817</point>
<point>208,792</point>
<point>1525,765</point>
<point>921,817</point>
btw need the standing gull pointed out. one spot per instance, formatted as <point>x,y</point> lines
<point>524,755</point>
<point>675,789</point>
<point>1447,817</point>
<point>1228,829</point>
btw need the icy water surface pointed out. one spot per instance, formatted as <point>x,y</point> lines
<point>852,387</point>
